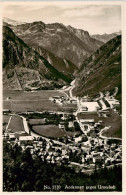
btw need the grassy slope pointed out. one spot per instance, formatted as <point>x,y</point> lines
<point>101,71</point>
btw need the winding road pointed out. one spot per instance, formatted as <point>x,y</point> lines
<point>78,105</point>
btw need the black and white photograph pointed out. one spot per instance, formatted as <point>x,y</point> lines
<point>62,96</point>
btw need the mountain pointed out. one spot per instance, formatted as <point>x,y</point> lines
<point>57,39</point>
<point>62,65</point>
<point>12,22</point>
<point>101,71</point>
<point>106,37</point>
<point>84,36</point>
<point>24,68</point>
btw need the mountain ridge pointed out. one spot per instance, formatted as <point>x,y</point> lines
<point>29,65</point>
<point>57,39</point>
<point>106,37</point>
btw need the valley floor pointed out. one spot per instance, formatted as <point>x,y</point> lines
<point>83,132</point>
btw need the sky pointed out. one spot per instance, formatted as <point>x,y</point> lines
<point>94,18</point>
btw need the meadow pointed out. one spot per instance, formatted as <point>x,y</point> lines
<point>30,95</point>
<point>89,115</point>
<point>36,121</point>
<point>114,120</point>
<point>48,130</point>
<point>22,101</point>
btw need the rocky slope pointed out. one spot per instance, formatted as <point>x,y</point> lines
<point>84,36</point>
<point>101,71</point>
<point>24,68</point>
<point>62,65</point>
<point>58,39</point>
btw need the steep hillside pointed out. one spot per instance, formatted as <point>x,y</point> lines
<point>24,68</point>
<point>57,39</point>
<point>101,71</point>
<point>106,37</point>
<point>62,65</point>
<point>84,36</point>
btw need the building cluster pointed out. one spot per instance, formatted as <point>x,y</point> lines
<point>82,154</point>
<point>62,100</point>
<point>84,150</point>
<point>87,104</point>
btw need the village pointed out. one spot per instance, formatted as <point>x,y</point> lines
<point>85,148</point>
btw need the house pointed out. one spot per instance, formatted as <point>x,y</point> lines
<point>97,159</point>
<point>85,99</point>
<point>73,101</point>
<point>6,135</point>
<point>96,154</point>
<point>12,136</point>
<point>30,147</point>
<point>67,101</point>
<point>74,164</point>
<point>6,111</point>
<point>109,159</point>
<point>64,152</point>
<point>86,148</point>
<point>70,124</point>
<point>56,99</point>
<point>87,143</point>
<point>83,160</point>
<point>52,161</point>
<point>65,116</point>
<point>23,147</point>
<point>84,108</point>
<point>86,121</point>
<point>61,126</point>
<point>8,98</point>
<point>113,102</point>
<point>25,138</point>
<point>77,139</point>
<point>86,125</point>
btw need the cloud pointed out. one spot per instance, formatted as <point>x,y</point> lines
<point>94,18</point>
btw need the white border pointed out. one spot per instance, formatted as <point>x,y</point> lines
<point>123,3</point>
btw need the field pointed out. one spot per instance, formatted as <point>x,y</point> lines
<point>91,115</point>
<point>49,130</point>
<point>29,95</point>
<point>36,121</point>
<point>113,120</point>
<point>16,124</point>
<point>22,101</point>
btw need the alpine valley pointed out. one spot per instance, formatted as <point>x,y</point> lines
<point>47,56</point>
<point>62,119</point>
